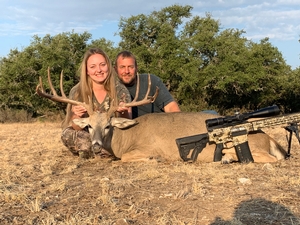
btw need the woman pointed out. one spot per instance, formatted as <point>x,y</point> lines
<point>97,79</point>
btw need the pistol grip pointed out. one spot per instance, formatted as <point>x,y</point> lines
<point>218,152</point>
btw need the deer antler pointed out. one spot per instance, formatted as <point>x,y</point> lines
<point>55,97</point>
<point>147,99</point>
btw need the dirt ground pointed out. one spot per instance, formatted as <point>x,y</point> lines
<point>41,182</point>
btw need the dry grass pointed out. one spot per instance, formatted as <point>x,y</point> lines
<point>42,183</point>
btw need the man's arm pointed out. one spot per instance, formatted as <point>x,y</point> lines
<point>172,107</point>
<point>164,100</point>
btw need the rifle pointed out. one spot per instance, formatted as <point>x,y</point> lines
<point>235,129</point>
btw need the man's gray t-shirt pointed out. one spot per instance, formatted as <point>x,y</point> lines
<point>164,97</point>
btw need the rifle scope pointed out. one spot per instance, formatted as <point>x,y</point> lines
<point>264,112</point>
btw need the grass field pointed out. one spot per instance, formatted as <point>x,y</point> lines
<point>41,182</point>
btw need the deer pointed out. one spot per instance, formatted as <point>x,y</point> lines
<point>152,136</point>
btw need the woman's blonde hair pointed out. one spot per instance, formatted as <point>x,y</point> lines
<point>83,91</point>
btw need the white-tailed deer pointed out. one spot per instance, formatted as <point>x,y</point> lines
<point>153,135</point>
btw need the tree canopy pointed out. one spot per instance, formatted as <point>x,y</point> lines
<point>203,66</point>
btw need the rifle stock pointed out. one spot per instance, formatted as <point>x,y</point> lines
<point>194,143</point>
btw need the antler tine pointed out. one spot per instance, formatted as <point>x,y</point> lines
<point>50,83</point>
<point>112,109</point>
<point>138,87</point>
<point>154,96</point>
<point>40,85</point>
<point>61,84</point>
<point>41,92</point>
<point>89,107</point>
<point>149,85</point>
<point>147,99</point>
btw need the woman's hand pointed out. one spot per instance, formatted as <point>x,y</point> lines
<point>78,110</point>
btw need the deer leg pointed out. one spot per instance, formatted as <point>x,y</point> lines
<point>229,156</point>
<point>263,157</point>
<point>137,156</point>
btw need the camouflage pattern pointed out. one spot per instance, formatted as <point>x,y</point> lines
<point>122,92</point>
<point>79,141</point>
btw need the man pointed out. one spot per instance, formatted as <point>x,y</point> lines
<point>126,68</point>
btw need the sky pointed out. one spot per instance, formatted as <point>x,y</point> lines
<point>21,19</point>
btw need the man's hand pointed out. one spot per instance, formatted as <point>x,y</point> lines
<point>122,109</point>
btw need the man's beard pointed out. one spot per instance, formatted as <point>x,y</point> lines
<point>129,82</point>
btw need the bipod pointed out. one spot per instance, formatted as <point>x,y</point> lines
<point>293,127</point>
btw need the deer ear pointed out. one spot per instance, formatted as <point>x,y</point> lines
<point>122,123</point>
<point>81,122</point>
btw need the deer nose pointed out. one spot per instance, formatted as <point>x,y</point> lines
<point>97,142</point>
<point>96,148</point>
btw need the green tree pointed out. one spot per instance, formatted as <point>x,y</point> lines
<point>243,74</point>
<point>290,93</point>
<point>154,40</point>
<point>20,70</point>
<point>107,46</point>
<point>198,51</point>
<point>203,66</point>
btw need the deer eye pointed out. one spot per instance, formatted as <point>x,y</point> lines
<point>89,128</point>
<point>107,126</point>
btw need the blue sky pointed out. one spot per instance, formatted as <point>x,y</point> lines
<point>21,19</point>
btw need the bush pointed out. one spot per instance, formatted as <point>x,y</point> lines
<point>12,115</point>
<point>20,115</point>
